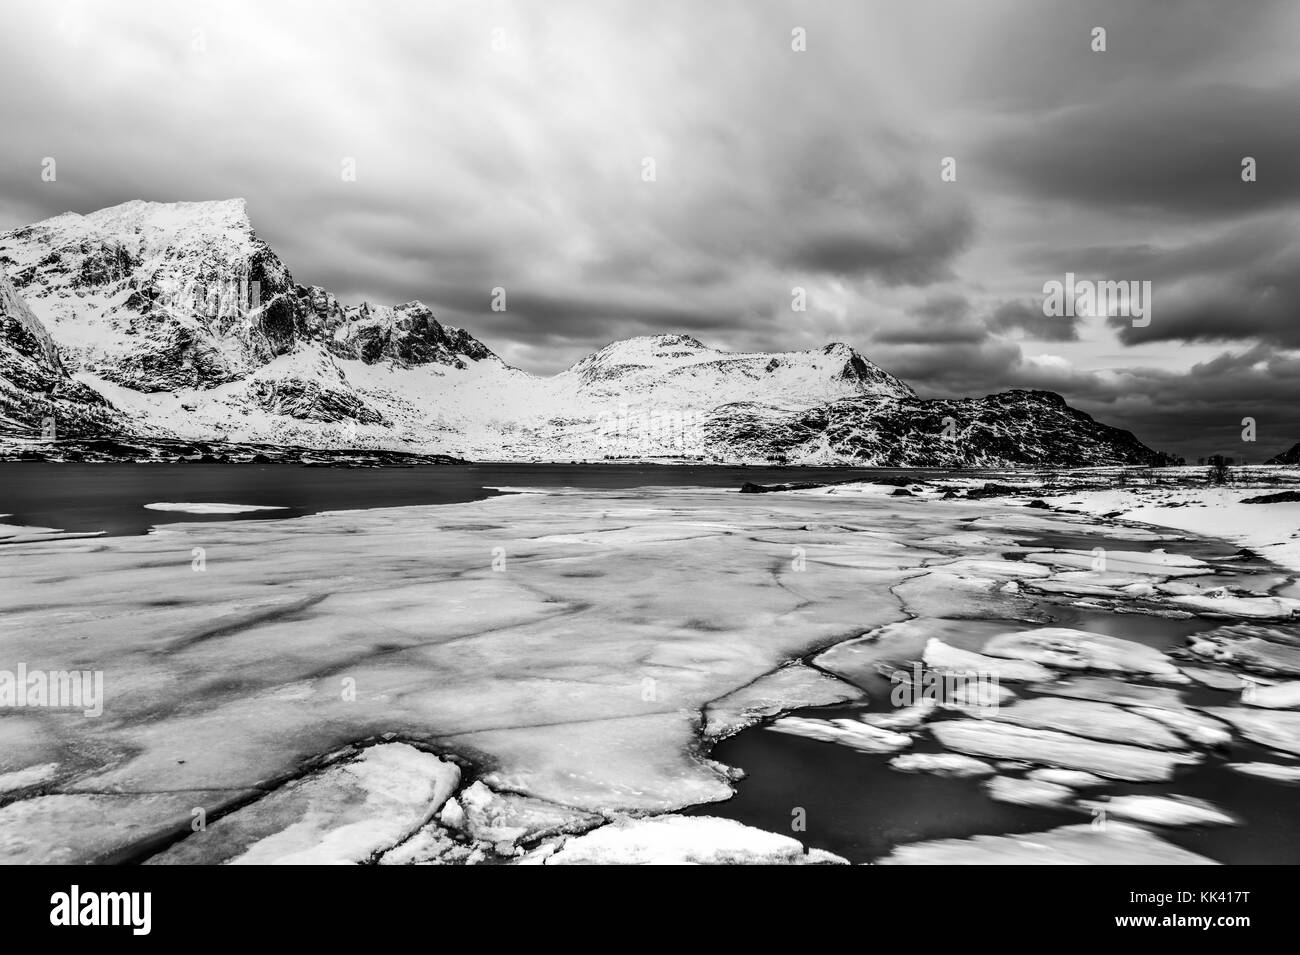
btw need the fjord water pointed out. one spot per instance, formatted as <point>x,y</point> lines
<point>110,498</point>
<point>855,805</point>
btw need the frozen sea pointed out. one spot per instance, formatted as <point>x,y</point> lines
<point>404,666</point>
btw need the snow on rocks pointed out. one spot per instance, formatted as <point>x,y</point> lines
<point>1276,729</point>
<point>1118,843</point>
<point>1171,810</point>
<point>854,734</point>
<point>999,740</point>
<point>686,840</point>
<point>1070,649</point>
<point>345,813</point>
<point>942,764</point>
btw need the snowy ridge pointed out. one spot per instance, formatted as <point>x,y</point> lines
<point>190,325</point>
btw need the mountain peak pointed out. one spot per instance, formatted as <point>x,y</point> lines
<point>207,216</point>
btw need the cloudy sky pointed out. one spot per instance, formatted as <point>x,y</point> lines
<point>506,144</point>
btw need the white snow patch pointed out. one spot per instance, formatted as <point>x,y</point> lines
<point>686,840</point>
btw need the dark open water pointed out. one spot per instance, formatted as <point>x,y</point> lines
<point>111,497</point>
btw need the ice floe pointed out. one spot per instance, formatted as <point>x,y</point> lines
<point>1274,771</point>
<point>1215,679</point>
<point>904,717</point>
<point>941,764</point>
<point>998,740</point>
<point>943,657</point>
<point>1116,843</point>
<point>1283,696</point>
<point>1028,792</point>
<point>1276,729</point>
<point>1171,810</point>
<point>1089,718</point>
<point>1074,778</point>
<point>686,840</point>
<point>1237,646</point>
<point>854,734</point>
<point>1069,649</point>
<point>1220,603</point>
<point>1194,725</point>
<point>788,688</point>
<point>200,508</point>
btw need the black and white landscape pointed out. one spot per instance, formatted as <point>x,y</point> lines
<point>575,432</point>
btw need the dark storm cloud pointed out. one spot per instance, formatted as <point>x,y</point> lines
<point>1240,286</point>
<point>941,320</point>
<point>523,168</point>
<point>1178,150</point>
<point>920,258</point>
<point>1028,317</point>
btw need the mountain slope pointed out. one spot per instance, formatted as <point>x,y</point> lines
<point>37,396</point>
<point>186,321</point>
<point>1290,456</point>
<point>1015,427</point>
<point>162,296</point>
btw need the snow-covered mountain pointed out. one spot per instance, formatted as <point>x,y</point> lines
<point>37,395</point>
<point>188,325</point>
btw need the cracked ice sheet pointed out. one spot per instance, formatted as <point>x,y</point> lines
<point>345,813</point>
<point>577,674</point>
<point>792,687</point>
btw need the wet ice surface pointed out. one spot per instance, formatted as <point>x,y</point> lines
<point>570,656</point>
